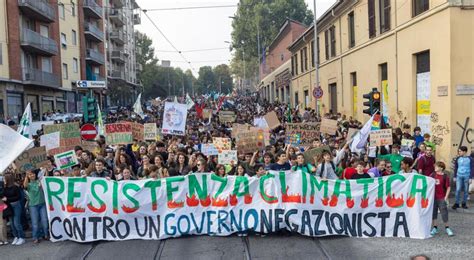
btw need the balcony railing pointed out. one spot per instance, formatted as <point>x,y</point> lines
<point>91,8</point>
<point>117,36</point>
<point>95,56</point>
<point>35,42</point>
<point>95,77</point>
<point>117,74</point>
<point>117,3</point>
<point>118,56</point>
<point>117,16</point>
<point>38,77</point>
<point>93,32</point>
<point>39,9</point>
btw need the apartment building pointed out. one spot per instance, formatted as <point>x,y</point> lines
<point>418,53</point>
<point>123,86</point>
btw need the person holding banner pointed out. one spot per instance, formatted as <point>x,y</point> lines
<point>327,169</point>
<point>181,167</point>
<point>406,166</point>
<point>100,170</point>
<point>37,205</point>
<point>302,166</point>
<point>11,195</point>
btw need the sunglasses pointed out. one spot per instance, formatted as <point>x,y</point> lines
<point>199,164</point>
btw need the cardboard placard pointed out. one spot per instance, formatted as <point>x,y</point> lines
<point>381,137</point>
<point>308,132</point>
<point>149,131</point>
<point>91,146</point>
<point>310,154</point>
<point>65,160</point>
<point>50,141</point>
<point>238,128</point>
<point>272,120</point>
<point>293,139</point>
<point>32,159</point>
<point>209,149</point>
<point>408,142</point>
<point>227,116</point>
<point>250,141</point>
<point>328,126</point>
<point>227,157</point>
<point>70,136</point>
<point>351,133</point>
<point>222,144</point>
<point>206,113</point>
<point>138,131</point>
<point>118,133</point>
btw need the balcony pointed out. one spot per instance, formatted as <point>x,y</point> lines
<point>92,9</point>
<point>38,9</point>
<point>117,17</point>
<point>137,19</point>
<point>38,77</point>
<point>117,56</point>
<point>93,33</point>
<point>95,77</point>
<point>117,74</point>
<point>95,57</point>
<point>117,3</point>
<point>117,36</point>
<point>34,42</point>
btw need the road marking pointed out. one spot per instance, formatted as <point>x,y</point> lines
<point>161,246</point>
<point>89,251</point>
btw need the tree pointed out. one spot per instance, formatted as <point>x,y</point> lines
<point>145,52</point>
<point>223,78</point>
<point>206,81</point>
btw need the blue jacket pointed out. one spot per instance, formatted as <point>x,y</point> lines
<point>456,166</point>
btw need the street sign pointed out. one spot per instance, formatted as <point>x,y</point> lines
<point>318,92</point>
<point>88,132</point>
<point>90,84</point>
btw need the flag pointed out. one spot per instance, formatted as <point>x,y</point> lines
<point>25,123</point>
<point>360,139</point>
<point>12,144</point>
<point>176,99</point>
<point>137,107</point>
<point>100,123</point>
<point>189,102</point>
<point>376,122</point>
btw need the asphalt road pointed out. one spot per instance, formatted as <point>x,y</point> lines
<point>461,246</point>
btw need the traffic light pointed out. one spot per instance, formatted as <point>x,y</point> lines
<point>89,109</point>
<point>372,103</point>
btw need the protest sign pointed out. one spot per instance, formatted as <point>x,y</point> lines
<point>149,131</point>
<point>93,209</point>
<point>308,132</point>
<point>310,154</point>
<point>328,126</point>
<point>227,157</point>
<point>91,146</point>
<point>174,119</point>
<point>237,128</point>
<point>138,131</point>
<point>222,144</point>
<point>250,141</point>
<point>206,113</point>
<point>50,141</point>
<point>381,137</point>
<point>70,136</point>
<point>260,122</point>
<point>227,116</point>
<point>32,159</point>
<point>118,133</point>
<point>38,125</point>
<point>12,144</point>
<point>351,133</point>
<point>408,142</point>
<point>159,135</point>
<point>209,149</point>
<point>272,120</point>
<point>65,160</point>
<point>293,139</point>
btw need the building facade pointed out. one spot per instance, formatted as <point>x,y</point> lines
<point>46,46</point>
<point>419,54</point>
<point>275,69</point>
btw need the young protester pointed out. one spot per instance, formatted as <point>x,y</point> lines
<point>303,166</point>
<point>37,205</point>
<point>220,171</point>
<point>100,170</point>
<point>162,170</point>
<point>181,167</point>
<point>425,164</point>
<point>418,137</point>
<point>145,159</point>
<point>378,169</point>
<point>282,163</point>
<point>442,189</point>
<point>463,175</point>
<point>388,169</point>
<point>360,174</point>
<point>406,166</point>
<point>395,158</point>
<point>11,195</point>
<point>327,169</point>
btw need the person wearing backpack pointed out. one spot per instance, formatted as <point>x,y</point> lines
<point>327,169</point>
<point>441,194</point>
<point>301,165</point>
<point>463,175</point>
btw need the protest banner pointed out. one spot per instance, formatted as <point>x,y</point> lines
<point>94,209</point>
<point>32,159</point>
<point>272,120</point>
<point>50,141</point>
<point>408,142</point>
<point>227,157</point>
<point>69,133</point>
<point>65,160</point>
<point>91,146</point>
<point>308,131</point>
<point>250,141</point>
<point>293,139</point>
<point>227,116</point>
<point>174,119</point>
<point>351,133</point>
<point>149,131</point>
<point>381,137</point>
<point>209,149</point>
<point>328,126</point>
<point>310,154</point>
<point>138,131</point>
<point>222,144</point>
<point>118,133</point>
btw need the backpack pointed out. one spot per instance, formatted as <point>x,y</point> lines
<point>332,166</point>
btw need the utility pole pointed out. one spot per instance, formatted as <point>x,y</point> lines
<point>315,53</point>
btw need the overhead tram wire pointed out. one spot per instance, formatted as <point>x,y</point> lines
<point>190,8</point>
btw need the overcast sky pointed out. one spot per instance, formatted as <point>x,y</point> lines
<point>195,29</point>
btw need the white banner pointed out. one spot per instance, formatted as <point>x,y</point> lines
<point>174,118</point>
<point>12,144</point>
<point>90,209</point>
<point>50,141</point>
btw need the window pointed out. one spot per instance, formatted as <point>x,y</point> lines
<point>383,72</point>
<point>75,65</point>
<point>350,22</point>
<point>326,43</point>
<point>312,54</point>
<point>420,6</point>
<point>61,11</point>
<point>332,32</point>
<point>305,52</point>
<point>296,64</point>
<point>423,62</point>
<point>65,74</point>
<point>384,12</point>
<point>73,8</point>
<point>63,41</point>
<point>302,60</point>
<point>354,79</point>
<point>74,37</point>
<point>319,50</point>
<point>292,65</point>
<point>297,100</point>
<point>47,64</point>
<point>371,11</point>
<point>306,98</point>
<point>282,57</point>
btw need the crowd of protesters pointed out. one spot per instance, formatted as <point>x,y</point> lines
<point>181,155</point>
